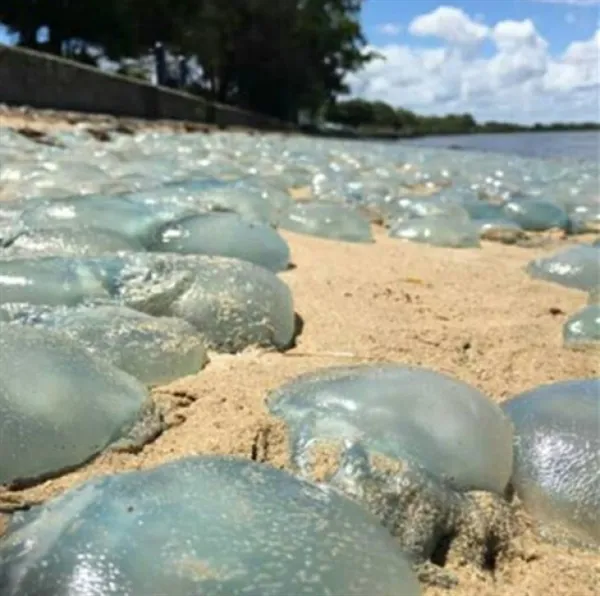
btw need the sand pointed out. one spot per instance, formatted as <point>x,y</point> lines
<point>472,313</point>
<point>47,121</point>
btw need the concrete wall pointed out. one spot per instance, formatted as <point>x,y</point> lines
<point>42,81</point>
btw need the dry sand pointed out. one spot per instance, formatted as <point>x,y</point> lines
<point>472,313</point>
<point>47,121</point>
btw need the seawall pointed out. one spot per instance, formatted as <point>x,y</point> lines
<point>43,81</point>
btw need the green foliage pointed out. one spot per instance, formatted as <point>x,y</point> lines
<point>449,124</point>
<point>354,112</point>
<point>278,57</point>
<point>379,116</point>
<point>95,21</point>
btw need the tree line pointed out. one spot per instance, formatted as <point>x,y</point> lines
<point>378,116</point>
<point>276,57</point>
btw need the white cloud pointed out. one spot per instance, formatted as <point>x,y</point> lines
<point>519,81</point>
<point>578,70</point>
<point>587,52</point>
<point>449,24</point>
<point>521,53</point>
<point>391,29</point>
<point>516,35</point>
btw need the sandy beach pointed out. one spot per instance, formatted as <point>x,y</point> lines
<point>471,313</point>
<point>47,121</point>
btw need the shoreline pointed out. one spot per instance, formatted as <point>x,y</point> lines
<point>472,313</point>
<point>48,120</point>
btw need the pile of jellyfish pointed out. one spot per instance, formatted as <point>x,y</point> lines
<point>125,264</point>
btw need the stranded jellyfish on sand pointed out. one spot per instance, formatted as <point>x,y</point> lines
<point>60,405</point>
<point>409,443</point>
<point>557,442</point>
<point>203,525</point>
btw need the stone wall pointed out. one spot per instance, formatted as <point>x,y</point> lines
<point>43,81</point>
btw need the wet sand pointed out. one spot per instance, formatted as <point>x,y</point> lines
<point>472,313</point>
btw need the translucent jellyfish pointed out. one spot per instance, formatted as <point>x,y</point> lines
<point>227,235</point>
<point>8,232</point>
<point>489,182</point>
<point>10,212</point>
<point>438,231</point>
<point>51,179</point>
<point>577,267</point>
<point>68,241</point>
<point>175,191</point>
<point>327,220</point>
<point>410,208</point>
<point>202,525</point>
<point>50,281</point>
<point>500,230</point>
<point>155,167</point>
<point>262,203</point>
<point>478,209</point>
<point>582,222</point>
<point>584,214</point>
<point>536,215</point>
<point>583,328</point>
<point>155,350</point>
<point>71,172</point>
<point>557,442</point>
<point>130,219</point>
<point>407,442</point>
<point>293,176</point>
<point>234,304</point>
<point>60,405</point>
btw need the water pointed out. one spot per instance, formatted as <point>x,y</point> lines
<point>583,145</point>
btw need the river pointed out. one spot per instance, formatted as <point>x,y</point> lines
<point>582,145</point>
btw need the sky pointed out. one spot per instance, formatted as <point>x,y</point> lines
<point>513,60</point>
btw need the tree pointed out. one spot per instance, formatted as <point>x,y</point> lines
<point>91,22</point>
<point>354,112</point>
<point>119,27</point>
<point>330,35</point>
<point>360,113</point>
<point>276,57</point>
<point>407,121</point>
<point>273,57</point>
<point>384,115</point>
<point>145,22</point>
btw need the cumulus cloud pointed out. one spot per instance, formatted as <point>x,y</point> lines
<point>449,24</point>
<point>515,35</point>
<point>391,29</point>
<point>519,81</point>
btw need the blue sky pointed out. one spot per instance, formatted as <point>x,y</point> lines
<point>513,60</point>
<point>4,37</point>
<point>560,23</point>
<point>516,60</point>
